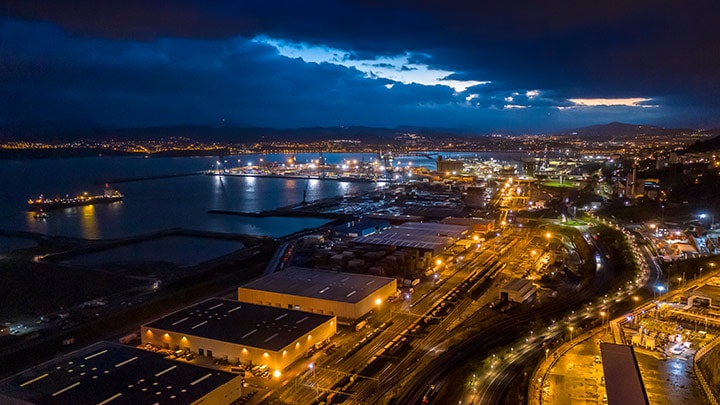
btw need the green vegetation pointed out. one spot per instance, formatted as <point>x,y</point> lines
<point>557,184</point>
<point>621,253</point>
<point>690,268</point>
<point>574,222</point>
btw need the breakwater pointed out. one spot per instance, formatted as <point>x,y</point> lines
<point>301,177</point>
<point>144,178</point>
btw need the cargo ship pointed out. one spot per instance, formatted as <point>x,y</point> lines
<point>46,204</point>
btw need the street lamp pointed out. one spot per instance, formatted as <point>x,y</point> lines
<point>571,331</point>
<point>712,219</point>
<point>659,289</point>
<point>312,367</point>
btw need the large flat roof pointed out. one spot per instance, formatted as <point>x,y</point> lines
<point>418,235</point>
<point>395,217</point>
<point>360,225</point>
<point>259,326</point>
<point>711,291</point>
<point>453,231</point>
<point>623,381</point>
<point>517,284</point>
<point>111,373</point>
<point>322,284</point>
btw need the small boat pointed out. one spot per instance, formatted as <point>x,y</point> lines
<point>40,215</point>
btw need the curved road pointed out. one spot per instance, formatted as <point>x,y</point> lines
<point>496,333</point>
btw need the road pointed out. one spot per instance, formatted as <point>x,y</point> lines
<point>329,370</point>
<point>480,344</point>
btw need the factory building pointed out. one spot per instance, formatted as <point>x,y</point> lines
<point>623,381</point>
<point>707,295</point>
<point>477,224</point>
<point>395,219</point>
<point>108,373</point>
<point>360,227</point>
<point>449,167</point>
<point>429,238</point>
<point>241,332</point>
<point>348,296</point>
<point>518,290</point>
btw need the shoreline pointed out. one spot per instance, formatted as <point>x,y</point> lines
<point>302,177</point>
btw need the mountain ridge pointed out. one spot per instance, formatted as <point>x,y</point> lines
<point>69,131</point>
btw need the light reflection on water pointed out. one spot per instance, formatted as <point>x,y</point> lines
<point>154,205</point>
<point>88,222</point>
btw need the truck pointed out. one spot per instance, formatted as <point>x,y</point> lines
<point>127,339</point>
<point>319,345</point>
<point>429,395</point>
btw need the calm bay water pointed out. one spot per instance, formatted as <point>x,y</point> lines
<point>153,205</point>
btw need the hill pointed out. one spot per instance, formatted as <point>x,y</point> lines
<point>619,130</point>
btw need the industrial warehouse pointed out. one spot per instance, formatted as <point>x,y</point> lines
<point>347,296</point>
<point>428,237</point>
<point>110,373</point>
<point>241,332</point>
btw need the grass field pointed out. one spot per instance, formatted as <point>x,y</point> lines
<point>557,184</point>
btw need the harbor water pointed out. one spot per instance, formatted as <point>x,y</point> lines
<point>166,202</point>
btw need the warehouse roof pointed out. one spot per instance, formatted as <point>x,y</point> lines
<point>396,218</point>
<point>321,284</point>
<point>709,290</point>
<point>111,373</point>
<point>359,227</point>
<point>418,235</point>
<point>253,325</point>
<point>623,381</point>
<point>517,284</point>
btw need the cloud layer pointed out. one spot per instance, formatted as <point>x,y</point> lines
<point>482,67</point>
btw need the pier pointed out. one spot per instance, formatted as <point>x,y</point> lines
<point>300,177</point>
<point>143,178</point>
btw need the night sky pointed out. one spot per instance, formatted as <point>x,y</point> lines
<point>476,65</point>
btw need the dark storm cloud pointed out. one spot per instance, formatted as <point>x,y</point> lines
<point>194,59</point>
<point>176,81</point>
